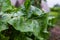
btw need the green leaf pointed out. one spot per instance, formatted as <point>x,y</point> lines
<point>27,4</point>
<point>3,21</point>
<point>36,11</point>
<point>20,23</point>
<point>2,26</point>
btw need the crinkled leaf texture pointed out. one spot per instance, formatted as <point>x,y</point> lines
<point>3,21</point>
<point>36,22</point>
<point>22,23</point>
<point>26,19</point>
<point>38,26</point>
